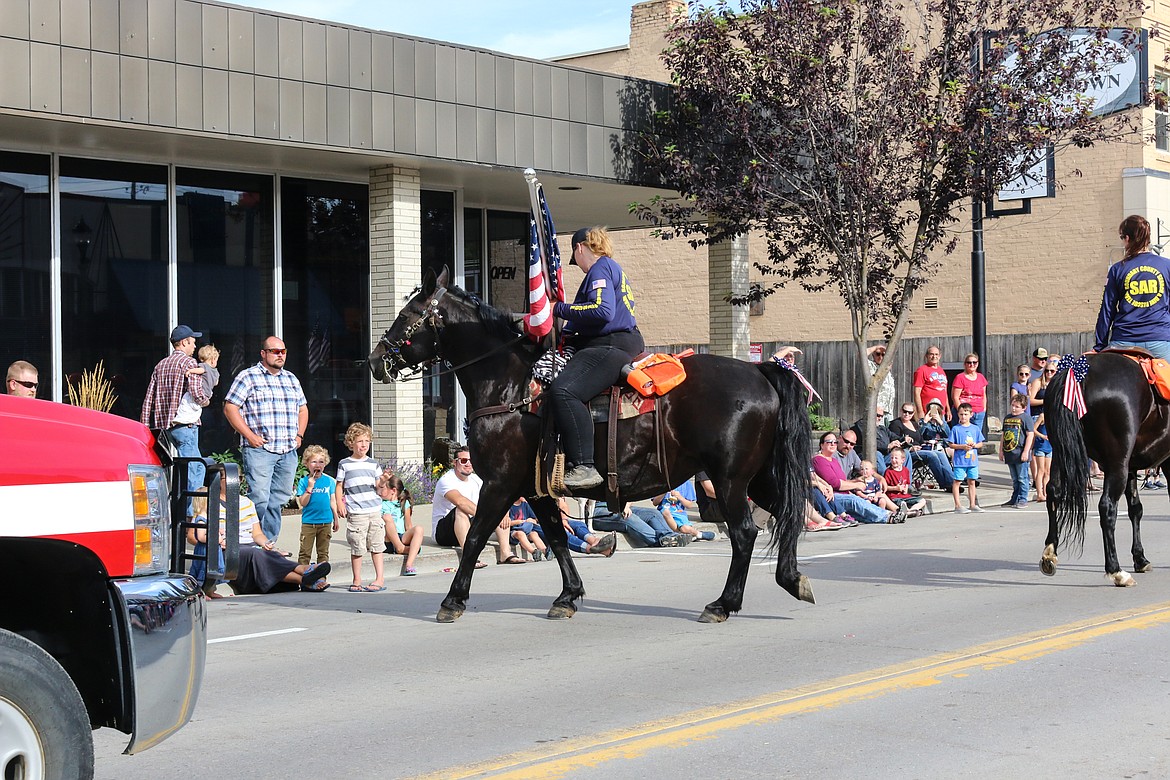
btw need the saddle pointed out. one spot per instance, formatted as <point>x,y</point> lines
<point>1157,370</point>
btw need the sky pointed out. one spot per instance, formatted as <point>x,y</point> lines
<point>527,28</point>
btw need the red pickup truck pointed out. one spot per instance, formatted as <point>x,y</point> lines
<point>98,624</point>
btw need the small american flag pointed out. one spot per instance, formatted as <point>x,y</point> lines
<point>1074,398</point>
<point>319,349</point>
<point>538,323</point>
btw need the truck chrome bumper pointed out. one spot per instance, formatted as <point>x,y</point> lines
<point>165,639</point>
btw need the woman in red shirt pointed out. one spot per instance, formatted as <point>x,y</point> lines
<point>970,387</point>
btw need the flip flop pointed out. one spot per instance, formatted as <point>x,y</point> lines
<point>315,572</point>
<point>374,588</point>
<point>316,587</point>
<point>481,564</point>
<point>512,559</point>
<point>357,589</point>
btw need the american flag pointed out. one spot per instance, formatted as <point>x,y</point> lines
<point>1074,397</point>
<point>538,323</point>
<point>318,350</point>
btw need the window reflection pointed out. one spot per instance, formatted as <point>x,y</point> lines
<point>225,248</point>
<point>113,274</point>
<point>438,252</point>
<point>326,276</point>
<point>25,314</point>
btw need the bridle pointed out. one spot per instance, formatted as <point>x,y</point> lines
<point>396,367</point>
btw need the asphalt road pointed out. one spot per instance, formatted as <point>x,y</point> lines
<point>935,649</point>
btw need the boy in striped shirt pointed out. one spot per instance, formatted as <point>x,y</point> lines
<point>358,479</point>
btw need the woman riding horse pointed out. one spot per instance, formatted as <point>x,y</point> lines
<point>604,336</point>
<point>1124,426</point>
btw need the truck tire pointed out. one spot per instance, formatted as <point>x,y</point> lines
<point>44,727</point>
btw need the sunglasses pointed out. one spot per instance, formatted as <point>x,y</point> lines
<point>907,411</point>
<point>276,351</point>
<point>829,441</point>
<point>26,383</point>
<point>1022,373</point>
<point>971,362</point>
<point>846,441</point>
<point>1050,371</point>
<point>464,461</point>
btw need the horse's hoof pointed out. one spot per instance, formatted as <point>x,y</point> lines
<point>448,615</point>
<point>1142,568</point>
<point>561,611</point>
<point>712,616</point>
<point>1121,579</point>
<point>806,593</point>
<point>1048,566</point>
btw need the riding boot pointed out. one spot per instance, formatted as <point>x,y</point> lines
<point>582,477</point>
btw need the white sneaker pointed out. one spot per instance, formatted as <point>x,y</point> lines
<point>962,510</point>
<point>978,508</point>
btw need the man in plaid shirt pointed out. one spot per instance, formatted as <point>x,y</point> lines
<point>168,383</point>
<point>268,408</point>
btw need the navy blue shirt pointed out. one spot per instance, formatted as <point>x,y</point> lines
<point>604,302</point>
<point>1135,306</point>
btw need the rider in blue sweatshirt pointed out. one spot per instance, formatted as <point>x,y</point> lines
<point>1135,310</point>
<point>601,328</point>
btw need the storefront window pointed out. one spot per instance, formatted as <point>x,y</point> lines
<point>113,283</point>
<point>326,273</point>
<point>225,249</point>
<point>438,252</point>
<point>507,236</point>
<point>25,313</point>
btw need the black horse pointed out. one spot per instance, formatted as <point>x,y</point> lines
<point>1125,428</point>
<point>746,426</point>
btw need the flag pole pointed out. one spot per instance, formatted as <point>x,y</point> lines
<point>534,187</point>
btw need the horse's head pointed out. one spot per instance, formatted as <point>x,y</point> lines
<point>411,343</point>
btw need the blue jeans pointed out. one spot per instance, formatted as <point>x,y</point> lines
<point>858,508</point>
<point>576,536</point>
<point>646,525</point>
<point>1160,349</point>
<point>938,464</point>
<point>820,503</point>
<point>880,463</point>
<point>270,485</point>
<point>1021,481</point>
<point>187,440</point>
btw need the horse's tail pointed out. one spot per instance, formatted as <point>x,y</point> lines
<point>1068,499</point>
<point>791,455</point>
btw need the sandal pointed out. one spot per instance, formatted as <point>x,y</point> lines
<point>512,559</point>
<point>316,587</point>
<point>480,565</point>
<point>409,571</point>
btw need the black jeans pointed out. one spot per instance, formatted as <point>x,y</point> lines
<point>595,366</point>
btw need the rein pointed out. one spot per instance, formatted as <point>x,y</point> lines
<point>433,318</point>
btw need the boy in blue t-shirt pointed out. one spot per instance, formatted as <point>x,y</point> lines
<point>674,506</point>
<point>964,446</point>
<point>315,496</point>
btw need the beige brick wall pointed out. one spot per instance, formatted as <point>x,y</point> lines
<point>395,269</point>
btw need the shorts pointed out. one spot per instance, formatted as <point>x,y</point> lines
<point>445,531</point>
<point>966,472</point>
<point>525,528</point>
<point>365,532</point>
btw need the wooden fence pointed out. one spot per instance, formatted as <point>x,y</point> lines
<point>831,366</point>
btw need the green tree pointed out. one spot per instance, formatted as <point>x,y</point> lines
<point>852,133</point>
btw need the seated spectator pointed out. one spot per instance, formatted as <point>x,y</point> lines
<point>581,539</point>
<point>674,506</point>
<point>899,484</point>
<point>644,525</point>
<point>453,506</point>
<point>522,524</point>
<point>402,535</point>
<point>846,453</point>
<point>820,494</point>
<point>881,433</point>
<point>873,488</point>
<point>829,469</point>
<point>199,566</point>
<point>262,568</point>
<point>912,438</point>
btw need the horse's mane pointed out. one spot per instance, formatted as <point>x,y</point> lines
<point>497,322</point>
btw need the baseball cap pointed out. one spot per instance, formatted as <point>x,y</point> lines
<point>1040,353</point>
<point>578,238</point>
<point>934,402</point>
<point>183,332</point>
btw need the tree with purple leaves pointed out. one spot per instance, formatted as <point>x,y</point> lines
<point>853,133</point>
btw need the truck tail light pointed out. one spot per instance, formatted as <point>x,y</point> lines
<point>152,519</point>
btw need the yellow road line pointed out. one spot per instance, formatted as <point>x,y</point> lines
<point>678,731</point>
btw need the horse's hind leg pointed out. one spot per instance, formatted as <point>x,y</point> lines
<point>573,589</point>
<point>1133,501</point>
<point>742,532</point>
<point>1049,559</point>
<point>1115,482</point>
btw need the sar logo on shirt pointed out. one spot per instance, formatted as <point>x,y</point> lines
<point>1144,287</point>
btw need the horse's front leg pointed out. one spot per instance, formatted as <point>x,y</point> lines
<point>572,588</point>
<point>1107,507</point>
<point>490,510</point>
<point>743,534</point>
<point>1133,501</point>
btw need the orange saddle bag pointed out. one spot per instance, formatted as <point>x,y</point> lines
<point>657,374</point>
